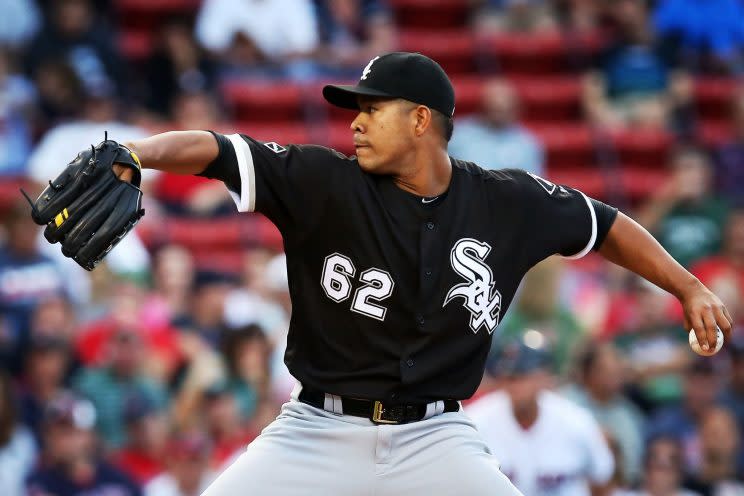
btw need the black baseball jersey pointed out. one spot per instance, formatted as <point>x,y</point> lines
<point>396,297</point>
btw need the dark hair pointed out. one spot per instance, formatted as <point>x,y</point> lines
<point>233,338</point>
<point>663,437</point>
<point>7,409</point>
<point>446,124</point>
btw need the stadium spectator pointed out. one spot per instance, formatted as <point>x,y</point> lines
<point>516,16</point>
<point>75,35</point>
<point>122,372</point>
<point>46,368</point>
<point>495,139</point>
<point>59,92</point>
<point>702,385</point>
<point>729,264</point>
<point>26,278</point>
<point>188,472</point>
<point>733,395</point>
<point>539,307</point>
<point>247,351</point>
<point>579,16</point>
<point>147,436</point>
<point>202,368</point>
<point>663,470</point>
<point>17,446</point>
<point>20,21</point>
<point>99,116</point>
<point>719,447</point>
<point>656,347</point>
<point>260,37</point>
<point>176,66</point>
<point>730,155</point>
<point>351,33</point>
<point>186,195</point>
<point>253,302</point>
<point>70,463</point>
<point>684,214</point>
<point>17,100</point>
<point>544,443</point>
<point>206,307</point>
<point>708,35</point>
<point>601,379</point>
<point>636,84</point>
<point>229,432</point>
<point>172,280</point>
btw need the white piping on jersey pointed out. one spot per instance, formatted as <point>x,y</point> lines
<point>246,202</point>
<point>593,237</point>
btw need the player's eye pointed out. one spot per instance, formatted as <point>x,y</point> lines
<point>372,109</point>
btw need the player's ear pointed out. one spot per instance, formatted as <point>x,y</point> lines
<point>423,119</point>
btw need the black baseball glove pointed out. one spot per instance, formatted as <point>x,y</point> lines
<point>87,208</point>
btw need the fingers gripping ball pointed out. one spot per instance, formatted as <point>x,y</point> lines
<point>696,346</point>
<point>88,209</point>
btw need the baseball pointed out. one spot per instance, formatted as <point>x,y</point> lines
<point>696,346</point>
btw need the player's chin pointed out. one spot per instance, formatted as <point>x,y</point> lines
<point>367,162</point>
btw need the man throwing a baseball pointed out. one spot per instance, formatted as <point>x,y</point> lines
<point>401,262</point>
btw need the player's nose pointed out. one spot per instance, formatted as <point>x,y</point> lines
<point>357,124</point>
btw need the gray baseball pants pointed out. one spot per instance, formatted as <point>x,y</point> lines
<point>309,451</point>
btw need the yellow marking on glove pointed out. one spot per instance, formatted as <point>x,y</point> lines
<point>136,158</point>
<point>61,217</point>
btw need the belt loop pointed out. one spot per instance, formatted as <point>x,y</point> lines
<point>332,404</point>
<point>296,390</point>
<point>434,408</point>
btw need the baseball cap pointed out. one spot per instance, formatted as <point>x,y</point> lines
<point>518,358</point>
<point>69,409</point>
<point>137,405</point>
<point>411,76</point>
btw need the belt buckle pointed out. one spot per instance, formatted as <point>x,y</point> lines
<point>377,412</point>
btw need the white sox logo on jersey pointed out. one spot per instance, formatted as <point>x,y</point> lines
<point>482,299</point>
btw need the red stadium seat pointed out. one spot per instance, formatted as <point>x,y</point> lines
<point>547,53</point>
<point>430,13</point>
<point>264,101</point>
<point>645,148</point>
<point>551,99</point>
<point>585,179</point>
<point>566,146</point>
<point>714,96</point>
<point>280,132</point>
<point>640,182</point>
<point>340,138</point>
<point>135,44</point>
<point>715,133</point>
<point>214,234</point>
<point>454,49</point>
<point>10,191</point>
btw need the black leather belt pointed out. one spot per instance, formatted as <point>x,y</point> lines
<point>376,411</point>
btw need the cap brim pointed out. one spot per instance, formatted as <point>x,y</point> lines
<point>345,96</point>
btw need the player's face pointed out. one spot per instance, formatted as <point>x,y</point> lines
<point>383,131</point>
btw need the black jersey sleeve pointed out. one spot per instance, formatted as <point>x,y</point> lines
<point>560,219</point>
<point>288,184</point>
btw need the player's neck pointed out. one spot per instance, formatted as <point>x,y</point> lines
<point>526,416</point>
<point>429,174</point>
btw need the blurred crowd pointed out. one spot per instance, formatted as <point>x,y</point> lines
<point>149,374</point>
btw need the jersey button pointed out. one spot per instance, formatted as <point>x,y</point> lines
<point>420,320</point>
<point>430,225</point>
<point>409,362</point>
<point>427,272</point>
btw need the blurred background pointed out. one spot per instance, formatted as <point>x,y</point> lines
<point>155,370</point>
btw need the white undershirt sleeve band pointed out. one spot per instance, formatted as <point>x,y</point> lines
<point>246,201</point>
<point>593,236</point>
